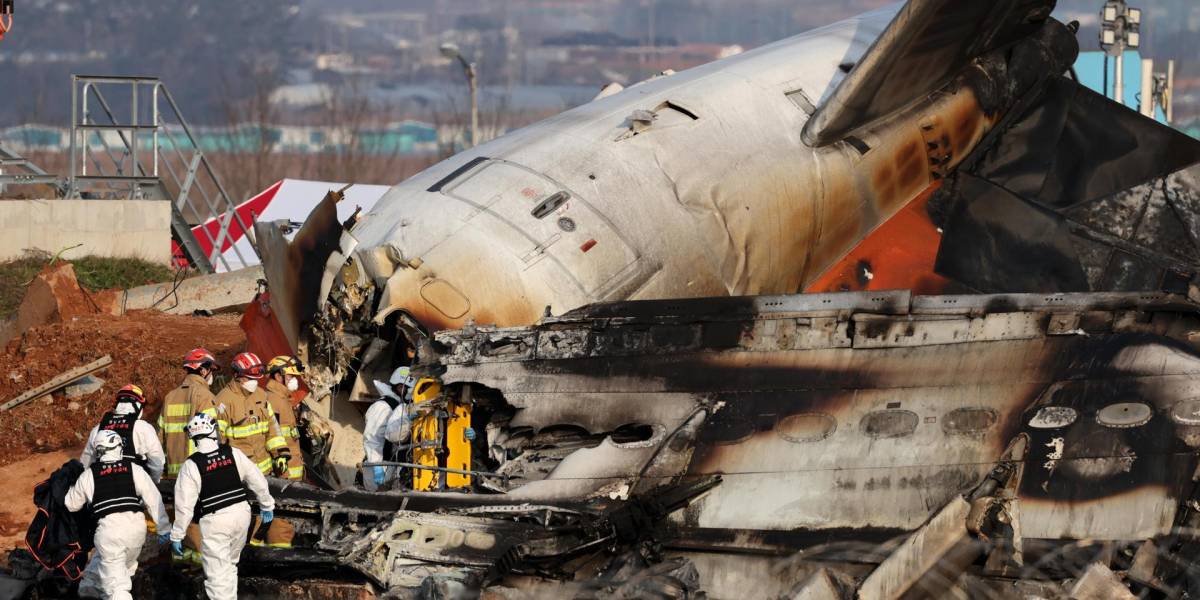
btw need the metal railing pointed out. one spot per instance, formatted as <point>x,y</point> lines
<point>114,158</point>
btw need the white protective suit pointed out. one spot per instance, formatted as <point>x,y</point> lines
<point>119,536</point>
<point>222,533</point>
<point>145,443</point>
<point>384,424</point>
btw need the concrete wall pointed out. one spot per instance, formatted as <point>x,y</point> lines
<point>120,228</point>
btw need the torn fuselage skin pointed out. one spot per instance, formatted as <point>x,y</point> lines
<point>853,417</point>
<point>541,219</point>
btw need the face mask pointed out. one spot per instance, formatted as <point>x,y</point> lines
<point>208,379</point>
<point>250,385</point>
<point>293,384</point>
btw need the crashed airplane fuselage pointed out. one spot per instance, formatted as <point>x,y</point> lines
<point>750,175</point>
<point>761,425</point>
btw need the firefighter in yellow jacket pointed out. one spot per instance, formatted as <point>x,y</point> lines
<point>251,423</point>
<point>283,378</point>
<point>190,398</point>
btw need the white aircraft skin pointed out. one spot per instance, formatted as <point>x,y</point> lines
<point>717,195</point>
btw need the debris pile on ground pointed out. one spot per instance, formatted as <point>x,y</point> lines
<point>75,330</point>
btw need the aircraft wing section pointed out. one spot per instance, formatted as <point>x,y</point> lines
<point>928,43</point>
<point>1015,211</point>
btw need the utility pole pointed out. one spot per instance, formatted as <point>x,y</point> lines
<point>1120,29</point>
<point>451,51</point>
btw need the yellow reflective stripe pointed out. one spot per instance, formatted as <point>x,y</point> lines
<point>290,431</point>
<point>173,468</point>
<point>178,410</point>
<point>279,545</point>
<point>276,443</point>
<point>296,472</point>
<point>241,431</point>
<point>173,427</point>
<point>264,465</point>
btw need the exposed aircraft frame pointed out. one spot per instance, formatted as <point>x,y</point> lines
<point>626,434</point>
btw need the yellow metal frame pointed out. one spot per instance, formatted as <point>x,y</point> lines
<point>425,428</point>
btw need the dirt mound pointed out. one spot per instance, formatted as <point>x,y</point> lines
<point>146,348</point>
<point>16,495</point>
<point>54,296</point>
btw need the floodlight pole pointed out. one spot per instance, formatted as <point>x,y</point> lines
<point>1119,81</point>
<point>451,51</point>
<point>1119,30</point>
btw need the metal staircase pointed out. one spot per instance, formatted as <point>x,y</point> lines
<point>152,155</point>
<point>18,170</point>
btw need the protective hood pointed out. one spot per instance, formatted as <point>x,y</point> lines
<point>127,407</point>
<point>385,390</point>
<point>205,444</point>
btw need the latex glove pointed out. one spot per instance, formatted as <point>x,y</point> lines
<point>379,476</point>
<point>268,516</point>
<point>177,548</point>
<point>164,539</point>
<point>469,433</point>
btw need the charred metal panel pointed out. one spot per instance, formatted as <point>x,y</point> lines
<point>798,425</point>
<point>295,269</point>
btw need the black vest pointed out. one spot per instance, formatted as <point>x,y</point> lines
<point>220,483</point>
<point>114,489</point>
<point>123,425</point>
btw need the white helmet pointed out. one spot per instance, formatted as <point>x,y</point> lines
<point>202,425</point>
<point>402,376</point>
<point>108,445</point>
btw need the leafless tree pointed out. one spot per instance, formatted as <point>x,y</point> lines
<point>250,163</point>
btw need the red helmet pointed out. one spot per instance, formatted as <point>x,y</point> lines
<point>131,393</point>
<point>200,358</point>
<point>247,364</point>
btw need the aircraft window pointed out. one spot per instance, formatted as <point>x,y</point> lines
<point>1125,414</point>
<point>806,427</point>
<point>969,420</point>
<point>549,205</point>
<point>1186,412</point>
<point>1053,417</point>
<point>731,430</point>
<point>883,424</point>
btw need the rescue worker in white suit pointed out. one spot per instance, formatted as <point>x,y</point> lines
<point>387,423</point>
<point>212,488</point>
<point>141,445</point>
<point>118,491</point>
<point>141,440</point>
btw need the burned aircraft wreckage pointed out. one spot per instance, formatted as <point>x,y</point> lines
<point>691,424</point>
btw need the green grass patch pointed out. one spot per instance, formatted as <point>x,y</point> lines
<point>94,273</point>
<point>100,273</point>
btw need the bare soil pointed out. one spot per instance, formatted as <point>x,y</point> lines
<point>146,348</point>
<point>16,495</point>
